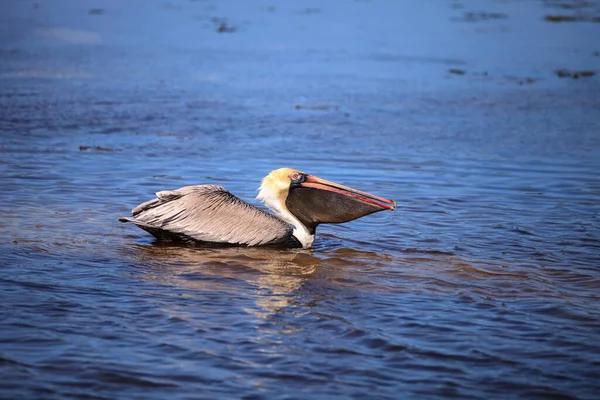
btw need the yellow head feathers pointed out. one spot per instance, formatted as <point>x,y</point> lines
<point>274,188</point>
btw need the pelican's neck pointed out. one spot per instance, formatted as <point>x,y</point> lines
<point>277,205</point>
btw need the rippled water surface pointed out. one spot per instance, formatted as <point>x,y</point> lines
<point>484,283</point>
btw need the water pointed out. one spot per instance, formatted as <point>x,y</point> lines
<point>485,281</point>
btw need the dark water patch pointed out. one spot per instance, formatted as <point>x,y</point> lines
<point>571,18</point>
<point>97,148</point>
<point>478,16</point>
<point>486,77</point>
<point>457,71</point>
<point>317,107</point>
<point>223,27</point>
<point>565,73</point>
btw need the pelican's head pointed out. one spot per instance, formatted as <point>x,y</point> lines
<point>274,188</point>
<point>305,201</point>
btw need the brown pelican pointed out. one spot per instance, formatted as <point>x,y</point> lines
<point>210,214</point>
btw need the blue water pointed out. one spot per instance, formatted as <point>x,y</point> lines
<point>485,281</point>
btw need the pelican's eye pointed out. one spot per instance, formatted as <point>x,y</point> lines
<point>297,177</point>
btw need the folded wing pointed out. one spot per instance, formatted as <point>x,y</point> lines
<point>209,213</point>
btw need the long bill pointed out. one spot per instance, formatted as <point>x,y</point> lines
<point>314,182</point>
<point>317,201</point>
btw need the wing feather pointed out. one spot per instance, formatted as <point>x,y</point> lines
<point>209,213</point>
